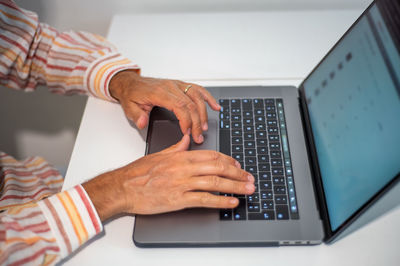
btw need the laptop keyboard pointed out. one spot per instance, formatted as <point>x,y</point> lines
<point>253,131</point>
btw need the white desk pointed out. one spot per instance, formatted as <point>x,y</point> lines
<point>216,49</point>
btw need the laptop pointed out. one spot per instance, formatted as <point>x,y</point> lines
<point>321,154</point>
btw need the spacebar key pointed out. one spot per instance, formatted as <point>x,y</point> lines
<point>225,141</point>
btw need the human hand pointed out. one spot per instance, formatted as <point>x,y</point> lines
<point>170,180</point>
<point>138,95</point>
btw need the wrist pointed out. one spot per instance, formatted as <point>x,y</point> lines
<point>106,195</point>
<point>119,82</point>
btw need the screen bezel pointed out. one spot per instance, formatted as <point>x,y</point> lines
<point>330,234</point>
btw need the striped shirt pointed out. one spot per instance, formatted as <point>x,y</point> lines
<point>39,224</point>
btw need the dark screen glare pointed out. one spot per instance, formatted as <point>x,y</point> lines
<point>353,99</point>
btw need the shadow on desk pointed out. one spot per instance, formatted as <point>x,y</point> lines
<point>90,241</point>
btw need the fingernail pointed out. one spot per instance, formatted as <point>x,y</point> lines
<point>200,139</point>
<point>233,201</point>
<point>250,178</point>
<point>249,187</point>
<point>205,126</point>
<point>188,131</point>
<point>238,164</point>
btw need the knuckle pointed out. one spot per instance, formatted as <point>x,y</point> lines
<point>220,166</point>
<point>215,155</point>
<point>192,107</point>
<point>215,181</point>
<point>205,198</point>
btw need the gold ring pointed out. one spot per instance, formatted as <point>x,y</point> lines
<point>187,88</point>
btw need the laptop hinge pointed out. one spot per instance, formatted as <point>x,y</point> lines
<point>313,161</point>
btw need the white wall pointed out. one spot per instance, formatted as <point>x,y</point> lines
<point>95,15</point>
<point>46,125</point>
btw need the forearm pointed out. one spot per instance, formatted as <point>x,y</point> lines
<point>47,231</point>
<point>33,53</point>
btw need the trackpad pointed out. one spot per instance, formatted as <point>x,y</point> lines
<point>164,133</point>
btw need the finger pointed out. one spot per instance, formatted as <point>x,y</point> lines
<point>197,98</point>
<point>182,145</point>
<point>208,200</point>
<point>220,184</point>
<point>219,168</point>
<point>196,127</point>
<point>136,114</point>
<point>212,102</point>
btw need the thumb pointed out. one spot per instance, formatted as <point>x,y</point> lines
<point>139,116</point>
<point>182,145</point>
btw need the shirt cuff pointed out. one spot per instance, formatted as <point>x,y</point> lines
<point>100,72</point>
<point>72,218</point>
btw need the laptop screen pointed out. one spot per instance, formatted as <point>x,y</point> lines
<point>353,100</point>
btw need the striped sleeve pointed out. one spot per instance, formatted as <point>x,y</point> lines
<point>43,233</point>
<point>33,53</point>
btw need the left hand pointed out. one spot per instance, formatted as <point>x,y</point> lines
<point>138,95</point>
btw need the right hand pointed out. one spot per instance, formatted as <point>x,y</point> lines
<point>170,180</point>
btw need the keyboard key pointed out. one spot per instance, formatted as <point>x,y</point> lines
<point>236,118</point>
<point>264,167</point>
<point>236,125</point>
<point>272,123</point>
<point>273,130</point>
<point>265,175</point>
<point>239,213</point>
<point>262,150</point>
<point>253,198</point>
<point>277,171</point>
<point>279,180</point>
<point>270,115</point>
<point>248,136</point>
<point>276,162</point>
<point>237,140</point>
<point>236,111</point>
<point>273,137</point>
<point>270,108</point>
<point>259,112</point>
<point>225,215</point>
<point>224,142</point>
<point>265,185</point>
<point>238,156</point>
<point>247,114</point>
<point>237,132</point>
<point>260,119</point>
<point>248,121</point>
<point>275,154</point>
<point>279,189</point>
<point>223,102</point>
<point>235,103</point>
<point>249,152</point>
<point>247,104</point>
<point>258,103</point>
<point>236,148</point>
<point>263,158</point>
<point>282,212</point>
<point>274,146</point>
<point>260,126</point>
<point>262,142</point>
<point>251,169</point>
<point>253,207</point>
<point>248,144</point>
<point>266,195</point>
<point>265,215</point>
<point>251,161</point>
<point>280,199</point>
<point>269,102</point>
<point>267,204</point>
<point>248,129</point>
